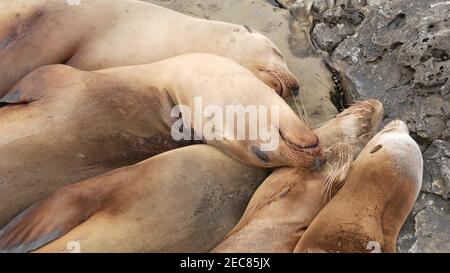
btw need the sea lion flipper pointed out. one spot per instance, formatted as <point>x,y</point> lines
<point>14,96</point>
<point>48,220</point>
<point>43,82</point>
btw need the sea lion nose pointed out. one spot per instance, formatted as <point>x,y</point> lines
<point>318,160</point>
<point>295,90</point>
<point>259,154</point>
<point>300,138</point>
<point>290,82</point>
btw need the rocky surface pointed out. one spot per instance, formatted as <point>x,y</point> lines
<point>398,52</point>
<point>347,50</point>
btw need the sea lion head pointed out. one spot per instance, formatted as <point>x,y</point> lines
<point>394,145</point>
<point>266,61</point>
<point>240,115</point>
<point>355,126</point>
<point>289,142</point>
<point>378,195</point>
<point>260,139</point>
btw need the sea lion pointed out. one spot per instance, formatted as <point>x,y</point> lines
<point>367,213</point>
<point>98,34</point>
<point>178,210</point>
<point>63,125</point>
<point>288,200</point>
<point>159,204</point>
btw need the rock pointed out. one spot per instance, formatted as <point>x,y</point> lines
<point>326,37</point>
<point>400,56</point>
<point>279,25</point>
<point>398,52</point>
<point>437,169</point>
<point>426,229</point>
<point>431,231</point>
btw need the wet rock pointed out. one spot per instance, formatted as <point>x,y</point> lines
<point>279,25</point>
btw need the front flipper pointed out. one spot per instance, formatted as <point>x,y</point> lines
<point>14,97</point>
<point>53,217</point>
<point>44,82</point>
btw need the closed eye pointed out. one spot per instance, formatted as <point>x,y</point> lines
<point>278,53</point>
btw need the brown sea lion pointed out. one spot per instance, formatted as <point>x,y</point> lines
<point>177,209</point>
<point>285,204</point>
<point>100,34</point>
<point>367,213</point>
<point>63,125</point>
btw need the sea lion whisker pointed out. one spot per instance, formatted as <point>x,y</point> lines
<point>339,159</point>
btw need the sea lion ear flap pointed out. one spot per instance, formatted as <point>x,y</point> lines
<point>338,160</point>
<point>46,221</point>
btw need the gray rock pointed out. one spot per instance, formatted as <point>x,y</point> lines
<point>432,234</point>
<point>427,228</point>
<point>326,37</point>
<point>398,52</point>
<point>400,56</point>
<point>437,169</point>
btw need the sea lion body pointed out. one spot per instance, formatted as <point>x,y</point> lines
<point>158,205</point>
<point>367,213</point>
<point>286,203</point>
<point>99,34</point>
<point>62,125</point>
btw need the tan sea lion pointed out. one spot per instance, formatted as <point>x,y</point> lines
<point>367,213</point>
<point>285,204</point>
<point>162,192</point>
<point>63,125</point>
<point>179,201</point>
<point>98,34</point>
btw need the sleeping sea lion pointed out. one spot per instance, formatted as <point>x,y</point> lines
<point>99,34</point>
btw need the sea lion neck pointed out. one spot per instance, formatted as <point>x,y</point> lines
<point>283,184</point>
<point>148,78</point>
<point>278,213</point>
<point>152,74</point>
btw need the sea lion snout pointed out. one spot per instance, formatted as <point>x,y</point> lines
<point>290,84</point>
<point>289,152</point>
<point>302,150</point>
<point>299,136</point>
<point>281,80</point>
<point>396,125</point>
